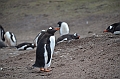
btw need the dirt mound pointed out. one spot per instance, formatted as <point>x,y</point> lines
<point>95,57</point>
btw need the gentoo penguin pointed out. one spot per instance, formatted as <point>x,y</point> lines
<point>25,46</point>
<point>67,37</point>
<point>2,32</point>
<point>45,49</point>
<point>64,29</point>
<point>114,28</point>
<point>10,39</point>
<point>37,38</point>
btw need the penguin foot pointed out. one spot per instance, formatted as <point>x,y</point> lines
<point>47,70</point>
<point>42,69</point>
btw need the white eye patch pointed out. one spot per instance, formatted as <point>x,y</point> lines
<point>50,27</point>
<point>75,34</point>
<point>111,27</point>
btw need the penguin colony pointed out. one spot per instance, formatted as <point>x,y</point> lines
<point>45,42</point>
<point>8,39</point>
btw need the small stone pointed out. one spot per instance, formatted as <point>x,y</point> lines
<point>1,68</point>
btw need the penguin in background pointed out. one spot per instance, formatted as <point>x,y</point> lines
<point>45,49</point>
<point>67,37</point>
<point>38,37</point>
<point>2,32</point>
<point>64,28</point>
<point>114,28</point>
<point>25,46</point>
<point>10,39</point>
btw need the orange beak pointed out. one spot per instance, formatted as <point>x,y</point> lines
<point>105,31</point>
<point>57,28</point>
<point>79,37</point>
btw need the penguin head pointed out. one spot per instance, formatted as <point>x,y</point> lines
<point>110,29</point>
<point>52,30</point>
<point>59,23</point>
<point>76,36</point>
<point>31,45</point>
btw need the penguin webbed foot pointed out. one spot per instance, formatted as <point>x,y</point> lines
<point>45,70</point>
<point>42,69</point>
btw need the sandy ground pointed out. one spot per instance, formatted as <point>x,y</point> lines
<point>96,55</point>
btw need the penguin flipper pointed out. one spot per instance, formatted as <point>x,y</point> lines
<point>48,52</point>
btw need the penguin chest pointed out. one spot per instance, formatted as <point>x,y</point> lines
<point>64,30</point>
<point>48,51</point>
<point>52,43</point>
<point>117,32</point>
<point>10,39</point>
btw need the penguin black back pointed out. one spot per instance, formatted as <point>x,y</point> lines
<point>42,33</point>
<point>38,37</point>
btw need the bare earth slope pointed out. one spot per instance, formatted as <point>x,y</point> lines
<point>95,57</point>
